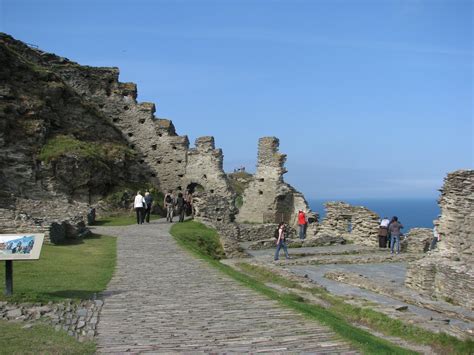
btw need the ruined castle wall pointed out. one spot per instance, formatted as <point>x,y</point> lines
<point>418,240</point>
<point>447,272</point>
<point>354,223</point>
<point>163,154</point>
<point>213,200</point>
<point>268,199</point>
<point>58,220</point>
<point>457,215</point>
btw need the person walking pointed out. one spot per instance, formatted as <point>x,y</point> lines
<point>436,238</point>
<point>383,232</point>
<point>139,204</point>
<point>188,199</point>
<point>180,206</point>
<point>168,203</point>
<point>149,203</point>
<point>302,223</point>
<point>280,242</point>
<point>394,228</point>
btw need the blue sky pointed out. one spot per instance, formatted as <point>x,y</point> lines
<point>370,99</point>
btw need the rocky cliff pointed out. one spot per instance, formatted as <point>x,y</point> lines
<point>55,145</point>
<point>54,142</point>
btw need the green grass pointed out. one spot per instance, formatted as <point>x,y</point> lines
<point>62,144</point>
<point>74,271</point>
<point>39,339</point>
<point>193,236</point>
<point>121,220</point>
<point>199,239</point>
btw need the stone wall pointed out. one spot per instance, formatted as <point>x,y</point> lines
<point>255,232</point>
<point>268,199</point>
<point>447,273</point>
<point>213,199</point>
<point>355,223</point>
<point>59,220</point>
<point>162,151</point>
<point>417,240</point>
<point>77,319</point>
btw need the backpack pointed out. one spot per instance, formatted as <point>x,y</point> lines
<point>168,199</point>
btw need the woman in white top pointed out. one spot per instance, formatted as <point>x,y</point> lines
<point>140,205</point>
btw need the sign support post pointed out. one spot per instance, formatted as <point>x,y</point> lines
<point>8,277</point>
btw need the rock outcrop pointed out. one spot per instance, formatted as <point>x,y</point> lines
<point>53,140</point>
<point>447,272</point>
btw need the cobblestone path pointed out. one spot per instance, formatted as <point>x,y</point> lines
<point>162,299</point>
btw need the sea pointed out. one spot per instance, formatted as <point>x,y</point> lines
<point>412,213</point>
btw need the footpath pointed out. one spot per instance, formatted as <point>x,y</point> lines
<point>163,299</point>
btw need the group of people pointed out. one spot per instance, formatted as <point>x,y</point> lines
<point>174,205</point>
<point>142,206</point>
<point>179,205</point>
<point>390,234</point>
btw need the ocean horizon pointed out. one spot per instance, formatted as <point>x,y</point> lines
<point>411,212</point>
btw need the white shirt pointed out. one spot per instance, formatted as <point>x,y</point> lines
<point>139,201</point>
<point>385,222</point>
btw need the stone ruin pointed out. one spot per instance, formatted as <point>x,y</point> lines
<point>354,223</point>
<point>447,272</point>
<point>268,199</point>
<point>213,199</point>
<point>417,240</point>
<point>58,220</point>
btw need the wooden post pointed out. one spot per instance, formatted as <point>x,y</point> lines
<point>8,277</point>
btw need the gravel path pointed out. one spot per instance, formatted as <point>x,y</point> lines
<point>162,299</point>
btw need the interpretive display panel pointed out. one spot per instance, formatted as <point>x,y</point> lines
<point>20,246</point>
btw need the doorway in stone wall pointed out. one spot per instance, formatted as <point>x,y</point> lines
<point>347,223</point>
<point>194,187</point>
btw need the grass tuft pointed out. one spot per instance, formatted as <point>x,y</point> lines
<point>62,145</point>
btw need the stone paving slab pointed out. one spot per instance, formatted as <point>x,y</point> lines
<point>162,299</point>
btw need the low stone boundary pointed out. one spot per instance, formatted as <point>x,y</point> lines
<point>401,294</point>
<point>77,319</point>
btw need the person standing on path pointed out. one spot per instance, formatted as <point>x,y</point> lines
<point>394,228</point>
<point>180,206</point>
<point>302,223</point>
<point>281,241</point>
<point>140,205</point>
<point>383,232</point>
<point>149,203</point>
<point>436,238</point>
<point>168,203</point>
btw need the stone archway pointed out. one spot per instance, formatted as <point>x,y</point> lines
<point>194,187</point>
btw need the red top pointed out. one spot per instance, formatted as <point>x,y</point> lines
<point>301,218</point>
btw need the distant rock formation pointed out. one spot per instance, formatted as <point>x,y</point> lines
<point>447,272</point>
